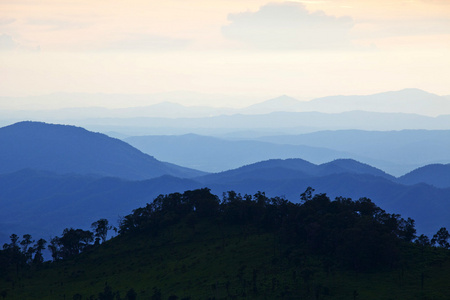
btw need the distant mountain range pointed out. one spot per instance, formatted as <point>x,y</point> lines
<point>397,110</point>
<point>43,204</point>
<point>68,149</point>
<point>396,152</point>
<point>288,169</point>
<point>412,101</point>
<point>427,204</point>
<point>276,123</point>
<point>212,154</point>
<point>53,176</point>
<point>437,175</point>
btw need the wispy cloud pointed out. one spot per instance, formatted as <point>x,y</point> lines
<point>7,43</point>
<point>289,25</point>
<point>56,24</point>
<point>6,21</point>
<point>145,42</point>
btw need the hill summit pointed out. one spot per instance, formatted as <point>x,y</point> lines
<point>68,149</point>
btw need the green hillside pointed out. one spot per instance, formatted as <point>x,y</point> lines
<point>193,246</point>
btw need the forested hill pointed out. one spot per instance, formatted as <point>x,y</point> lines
<point>192,245</point>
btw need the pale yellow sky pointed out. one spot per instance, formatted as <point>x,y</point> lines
<point>253,48</point>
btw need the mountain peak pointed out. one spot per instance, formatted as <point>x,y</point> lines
<point>282,103</point>
<point>65,149</point>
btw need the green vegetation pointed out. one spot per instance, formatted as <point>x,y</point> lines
<point>193,246</point>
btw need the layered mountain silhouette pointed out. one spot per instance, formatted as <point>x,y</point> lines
<point>275,123</point>
<point>411,101</point>
<point>67,149</point>
<point>424,203</point>
<point>213,154</point>
<point>44,203</point>
<point>437,175</point>
<point>397,152</point>
<point>278,169</point>
<point>395,110</point>
<point>414,101</point>
<point>54,176</point>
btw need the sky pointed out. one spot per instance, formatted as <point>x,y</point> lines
<point>249,50</point>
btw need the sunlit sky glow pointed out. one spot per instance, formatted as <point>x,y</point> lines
<point>247,48</point>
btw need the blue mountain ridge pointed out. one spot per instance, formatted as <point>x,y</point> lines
<point>67,149</point>
<point>42,202</point>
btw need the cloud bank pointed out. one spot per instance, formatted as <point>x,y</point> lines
<point>146,42</point>
<point>7,43</point>
<point>289,25</point>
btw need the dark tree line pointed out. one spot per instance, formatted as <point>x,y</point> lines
<point>356,233</point>
<point>20,254</point>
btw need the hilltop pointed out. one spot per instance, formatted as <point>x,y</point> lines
<point>65,149</point>
<point>192,246</point>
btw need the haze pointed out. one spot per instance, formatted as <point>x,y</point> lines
<point>233,53</point>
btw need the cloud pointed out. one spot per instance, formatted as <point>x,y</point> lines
<point>146,42</point>
<point>418,27</point>
<point>289,25</point>
<point>6,21</point>
<point>7,43</point>
<point>439,2</point>
<point>57,24</point>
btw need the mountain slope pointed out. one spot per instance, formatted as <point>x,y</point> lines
<point>347,178</point>
<point>246,249</point>
<point>42,203</point>
<point>413,101</point>
<point>282,103</point>
<point>437,175</point>
<point>397,151</point>
<point>340,166</point>
<point>68,149</point>
<point>35,202</point>
<point>215,155</point>
<point>279,169</point>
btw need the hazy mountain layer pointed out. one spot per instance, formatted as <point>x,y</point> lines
<point>426,204</point>
<point>411,101</point>
<point>68,149</point>
<point>437,175</point>
<point>37,202</point>
<point>214,154</point>
<point>43,203</point>
<point>396,152</point>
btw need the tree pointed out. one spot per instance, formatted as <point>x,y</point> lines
<point>14,242</point>
<point>74,241</point>
<point>38,247</point>
<point>441,238</point>
<point>156,294</point>
<point>407,230</point>
<point>307,194</point>
<point>54,248</point>
<point>77,296</point>
<point>107,294</point>
<point>423,241</point>
<point>131,295</point>
<point>101,228</point>
<point>26,242</point>
<point>26,249</point>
